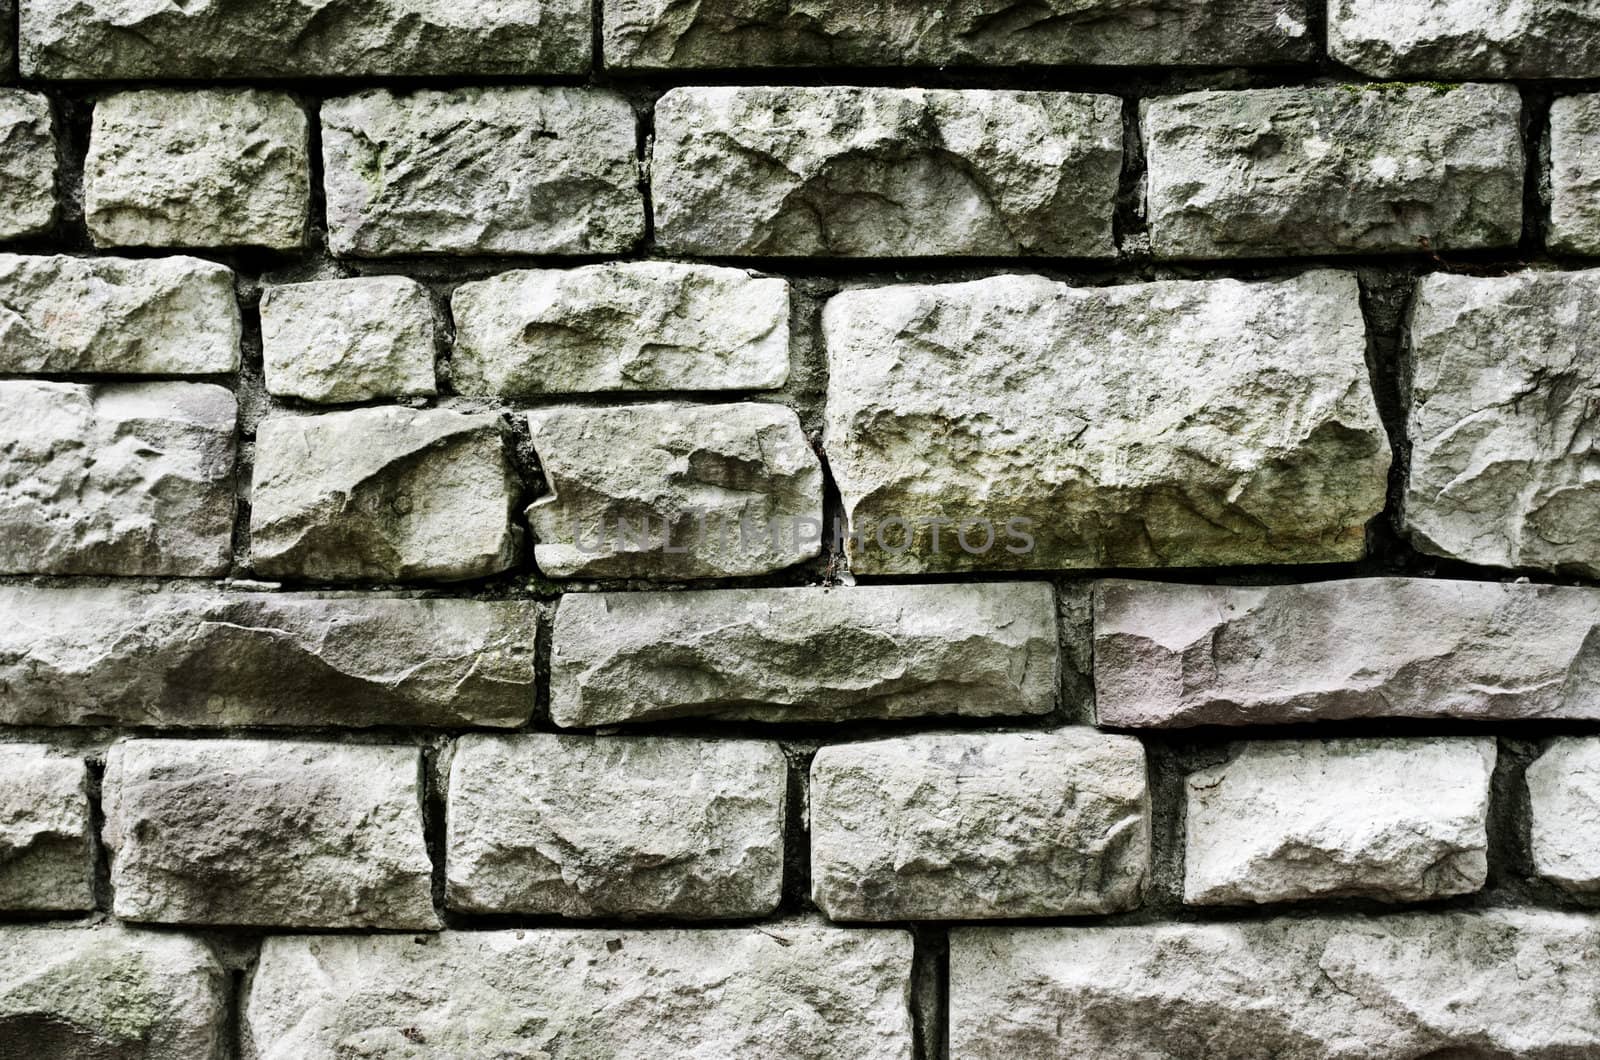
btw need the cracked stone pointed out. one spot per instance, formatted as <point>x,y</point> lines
<point>267,832</point>
<point>1017,423</point>
<point>1575,175</point>
<point>215,167</point>
<point>104,657</point>
<point>122,479</point>
<point>45,858</point>
<point>1298,820</point>
<point>117,316</point>
<point>967,826</point>
<point>1506,982</point>
<point>1564,810</point>
<point>1339,169</point>
<point>804,654</point>
<point>550,170</point>
<point>383,494</point>
<point>885,172</point>
<point>1502,423</point>
<point>674,491</point>
<point>336,341</point>
<point>121,39</point>
<point>583,826</point>
<point>1176,655</point>
<point>792,989</point>
<point>621,326</point>
<point>27,164</point>
<point>1460,39</point>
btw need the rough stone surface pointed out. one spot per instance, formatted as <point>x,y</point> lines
<point>349,340</point>
<point>713,34</point>
<point>45,861</point>
<point>27,164</point>
<point>123,316</point>
<point>973,826</point>
<point>257,832</point>
<point>1294,820</point>
<point>1502,420</point>
<point>674,491</point>
<point>790,989</point>
<point>1170,655</point>
<point>1564,806</point>
<point>646,325</point>
<point>1338,169</point>
<point>1500,983</point>
<point>586,826</point>
<point>272,38</point>
<point>885,172</point>
<point>1461,39</point>
<point>481,171</point>
<point>216,167</point>
<point>92,656</point>
<point>804,654</point>
<point>118,479</point>
<point>1575,175</point>
<point>383,494</point>
<point>110,993</point>
<point>1166,424</point>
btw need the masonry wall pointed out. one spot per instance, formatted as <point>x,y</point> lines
<point>834,529</point>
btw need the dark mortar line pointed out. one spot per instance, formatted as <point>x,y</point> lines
<point>99,853</point>
<point>233,1032</point>
<point>1128,220</point>
<point>796,888</point>
<point>1535,128</point>
<point>930,992</point>
<point>434,781</point>
<point>597,40</point>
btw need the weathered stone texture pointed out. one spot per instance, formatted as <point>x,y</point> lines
<point>118,479</point>
<point>979,825</point>
<point>1296,820</point>
<point>1166,424</point>
<point>885,172</point>
<point>110,993</point>
<point>713,34</point>
<point>1564,807</point>
<point>90,656</point>
<point>45,860</point>
<point>349,340</point>
<point>789,989</point>
<point>804,654</point>
<point>27,164</point>
<point>481,171</point>
<point>1172,655</point>
<point>1502,422</point>
<point>1503,983</point>
<point>123,316</point>
<point>1575,175</point>
<point>586,826</point>
<point>216,167</point>
<point>674,491</point>
<point>383,494</point>
<point>267,833</point>
<point>1334,170</point>
<point>647,325</point>
<point>1461,39</point>
<point>333,38</point>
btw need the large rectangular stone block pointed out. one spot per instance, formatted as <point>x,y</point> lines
<point>785,989</point>
<point>1173,655</point>
<point>970,826</point>
<point>117,39</point>
<point>272,833</point>
<point>885,172</point>
<point>335,341</point>
<point>804,654</point>
<point>1575,175</point>
<point>1503,391</point>
<point>1564,813</point>
<point>1466,38</point>
<point>1017,423</point>
<point>723,34</point>
<point>587,826</point>
<point>1340,169</point>
<point>1500,983</point>
<point>90,656</point>
<point>127,478</point>
<point>110,993</point>
<point>27,164</point>
<point>45,858</point>
<point>550,170</point>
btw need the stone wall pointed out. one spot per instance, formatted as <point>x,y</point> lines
<point>835,529</point>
